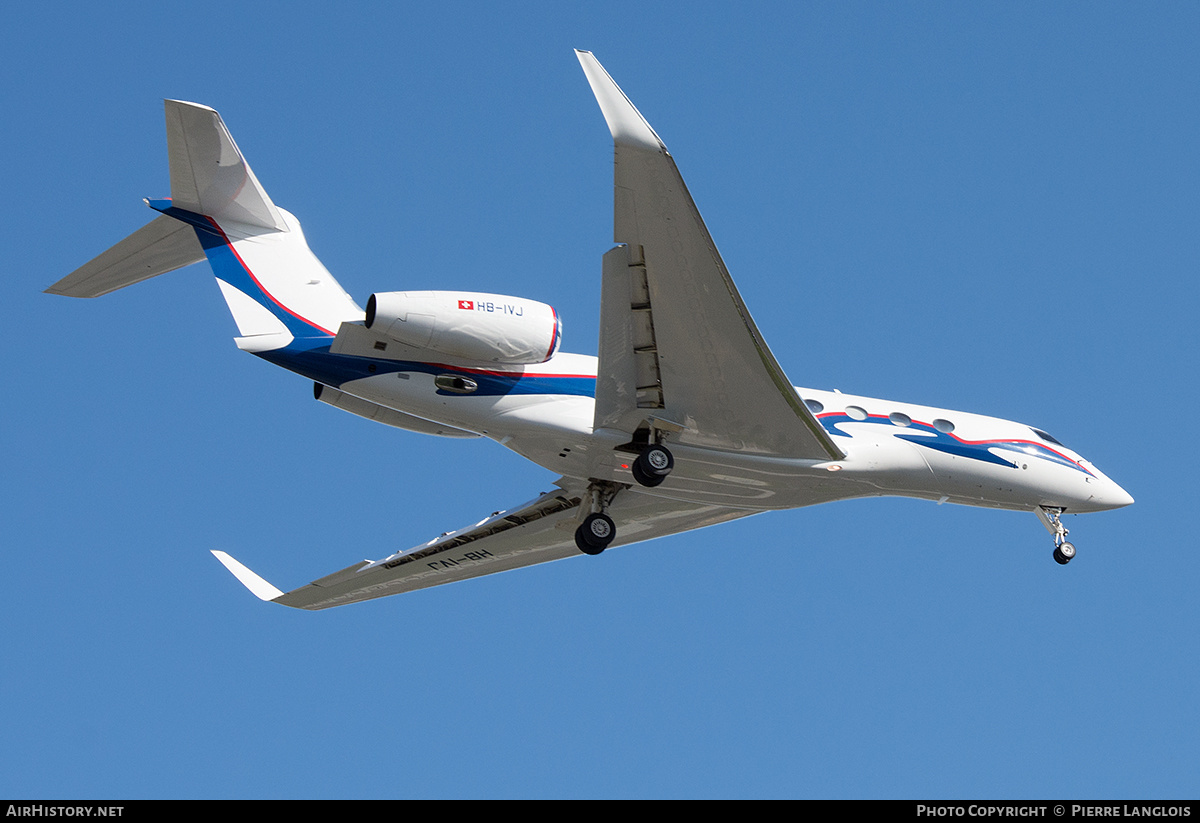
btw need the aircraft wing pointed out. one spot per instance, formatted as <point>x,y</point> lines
<point>677,342</point>
<point>537,532</point>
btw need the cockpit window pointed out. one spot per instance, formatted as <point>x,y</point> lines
<point>1046,437</point>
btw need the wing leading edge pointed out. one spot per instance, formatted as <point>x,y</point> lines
<point>677,341</point>
<point>537,532</point>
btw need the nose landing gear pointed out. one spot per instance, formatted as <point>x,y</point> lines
<point>1052,520</point>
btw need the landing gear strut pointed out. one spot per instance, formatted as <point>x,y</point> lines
<point>1052,520</point>
<point>597,529</point>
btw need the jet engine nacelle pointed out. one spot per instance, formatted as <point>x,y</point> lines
<point>487,328</point>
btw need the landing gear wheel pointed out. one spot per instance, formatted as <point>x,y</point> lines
<point>653,465</point>
<point>595,533</point>
<point>643,479</point>
<point>1052,519</point>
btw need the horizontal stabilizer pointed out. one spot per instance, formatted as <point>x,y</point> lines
<point>208,173</point>
<point>257,586</point>
<point>161,246</point>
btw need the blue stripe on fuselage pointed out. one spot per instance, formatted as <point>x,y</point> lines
<point>311,357</point>
<point>227,265</point>
<point>923,434</point>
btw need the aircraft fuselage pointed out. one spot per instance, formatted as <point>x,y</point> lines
<point>545,413</point>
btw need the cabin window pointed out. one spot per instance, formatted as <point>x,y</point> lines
<point>815,406</point>
<point>856,413</point>
<point>944,426</point>
<point>900,419</point>
<point>455,383</point>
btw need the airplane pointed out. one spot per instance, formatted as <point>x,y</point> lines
<point>684,419</point>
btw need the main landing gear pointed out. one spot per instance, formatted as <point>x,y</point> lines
<point>595,533</point>
<point>597,529</point>
<point>1052,520</point>
<point>653,465</point>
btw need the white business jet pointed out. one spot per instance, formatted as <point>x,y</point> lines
<point>684,420</point>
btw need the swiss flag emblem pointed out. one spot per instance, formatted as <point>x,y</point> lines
<point>466,304</point>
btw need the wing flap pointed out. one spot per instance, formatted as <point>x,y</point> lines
<point>718,376</point>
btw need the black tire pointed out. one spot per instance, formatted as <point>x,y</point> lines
<point>653,465</point>
<point>648,480</point>
<point>1064,553</point>
<point>595,533</point>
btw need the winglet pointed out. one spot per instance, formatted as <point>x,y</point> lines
<point>257,586</point>
<point>626,123</point>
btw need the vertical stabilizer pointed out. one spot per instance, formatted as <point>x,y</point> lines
<point>275,287</point>
<point>209,176</point>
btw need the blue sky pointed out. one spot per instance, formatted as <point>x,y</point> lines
<point>986,207</point>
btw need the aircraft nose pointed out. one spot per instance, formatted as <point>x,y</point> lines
<point>1118,497</point>
<point>1109,496</point>
<point>1103,493</point>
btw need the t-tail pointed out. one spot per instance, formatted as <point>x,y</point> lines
<point>279,293</point>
